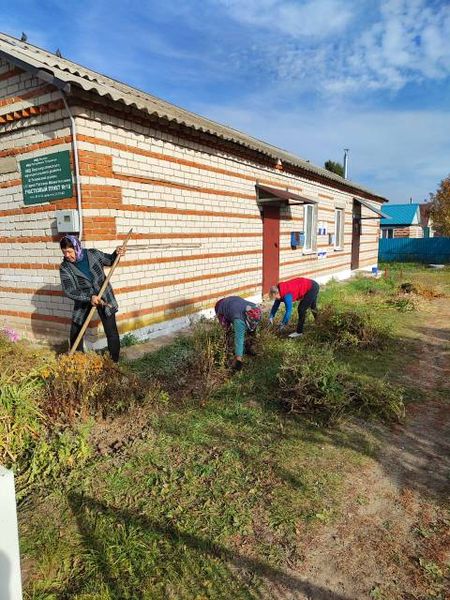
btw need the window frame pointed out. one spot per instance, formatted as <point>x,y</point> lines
<point>309,221</point>
<point>339,228</point>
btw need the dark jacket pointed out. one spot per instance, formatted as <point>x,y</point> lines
<point>233,307</point>
<point>77,286</point>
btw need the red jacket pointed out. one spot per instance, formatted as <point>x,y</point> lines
<point>298,287</point>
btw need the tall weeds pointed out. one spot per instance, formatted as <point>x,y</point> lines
<point>84,385</point>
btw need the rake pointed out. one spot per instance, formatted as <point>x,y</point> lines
<point>100,294</point>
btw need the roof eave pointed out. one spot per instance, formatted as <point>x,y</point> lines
<point>43,74</point>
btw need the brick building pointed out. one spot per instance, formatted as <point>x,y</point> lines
<point>406,221</point>
<point>214,212</point>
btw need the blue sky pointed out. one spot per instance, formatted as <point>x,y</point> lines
<point>310,76</point>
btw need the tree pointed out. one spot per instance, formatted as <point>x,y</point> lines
<point>334,167</point>
<point>440,207</point>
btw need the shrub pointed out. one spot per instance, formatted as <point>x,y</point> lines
<point>20,360</point>
<point>36,451</point>
<point>313,383</point>
<point>87,384</point>
<point>351,327</point>
<point>210,357</point>
<point>129,339</point>
<point>21,420</point>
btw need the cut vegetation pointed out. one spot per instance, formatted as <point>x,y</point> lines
<point>170,477</point>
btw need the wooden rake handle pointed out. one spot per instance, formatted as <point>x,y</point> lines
<point>100,294</point>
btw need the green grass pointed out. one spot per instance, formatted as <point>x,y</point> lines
<point>210,501</point>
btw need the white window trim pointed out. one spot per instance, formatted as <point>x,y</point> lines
<point>339,246</point>
<point>313,212</point>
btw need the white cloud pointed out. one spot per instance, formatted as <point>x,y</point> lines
<point>315,18</point>
<point>397,154</point>
<point>335,47</point>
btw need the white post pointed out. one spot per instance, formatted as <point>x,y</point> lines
<point>10,579</point>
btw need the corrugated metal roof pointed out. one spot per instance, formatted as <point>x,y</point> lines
<point>271,195</point>
<point>401,214</point>
<point>373,208</point>
<point>69,73</point>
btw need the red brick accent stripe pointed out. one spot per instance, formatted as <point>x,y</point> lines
<point>121,236</point>
<point>148,153</point>
<point>11,73</point>
<point>38,91</point>
<point>158,284</point>
<point>11,183</point>
<point>32,111</point>
<point>182,303</point>
<point>182,186</point>
<point>35,316</point>
<point>312,259</point>
<point>180,161</point>
<point>38,292</point>
<point>37,146</point>
<point>49,207</point>
<point>136,263</point>
<point>30,266</point>
<point>132,314</point>
<point>135,288</point>
<point>186,211</point>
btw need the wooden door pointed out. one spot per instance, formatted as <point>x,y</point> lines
<point>356,235</point>
<point>271,246</point>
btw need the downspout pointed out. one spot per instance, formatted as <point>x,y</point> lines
<point>76,163</point>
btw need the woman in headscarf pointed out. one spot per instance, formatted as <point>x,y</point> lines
<point>82,276</point>
<point>243,317</point>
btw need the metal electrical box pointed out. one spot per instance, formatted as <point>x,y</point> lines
<point>67,221</point>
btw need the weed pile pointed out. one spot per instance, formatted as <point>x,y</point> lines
<point>348,327</point>
<point>313,383</point>
<point>84,385</point>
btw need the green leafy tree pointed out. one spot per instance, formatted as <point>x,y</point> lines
<point>334,167</point>
<point>440,207</point>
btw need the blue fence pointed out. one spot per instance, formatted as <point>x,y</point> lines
<point>424,250</point>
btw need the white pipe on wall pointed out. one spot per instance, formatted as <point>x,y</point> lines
<point>76,163</point>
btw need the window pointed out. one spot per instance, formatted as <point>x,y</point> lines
<point>308,224</point>
<point>339,229</point>
<point>387,233</point>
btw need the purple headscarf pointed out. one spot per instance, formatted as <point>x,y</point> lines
<point>76,246</point>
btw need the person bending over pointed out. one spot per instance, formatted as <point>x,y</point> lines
<point>243,317</point>
<point>299,289</point>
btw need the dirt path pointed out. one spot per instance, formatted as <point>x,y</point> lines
<point>393,538</point>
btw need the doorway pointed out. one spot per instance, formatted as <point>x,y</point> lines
<point>356,235</point>
<point>271,246</point>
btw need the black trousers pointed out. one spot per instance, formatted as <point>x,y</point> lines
<point>309,300</point>
<point>112,335</point>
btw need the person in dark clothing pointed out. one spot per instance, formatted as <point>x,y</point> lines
<point>82,276</point>
<point>301,288</point>
<point>243,317</point>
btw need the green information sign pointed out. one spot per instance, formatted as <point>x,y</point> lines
<point>46,178</point>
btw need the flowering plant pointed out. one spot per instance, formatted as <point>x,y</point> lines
<point>10,333</point>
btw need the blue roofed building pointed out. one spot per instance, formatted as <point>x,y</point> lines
<point>405,221</point>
